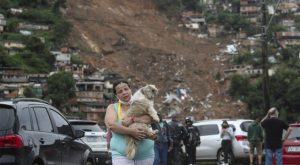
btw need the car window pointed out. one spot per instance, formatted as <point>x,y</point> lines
<point>43,119</point>
<point>233,127</point>
<point>25,122</point>
<point>33,119</point>
<point>245,125</point>
<point>87,127</point>
<point>210,129</point>
<point>295,134</point>
<point>7,119</point>
<point>62,125</point>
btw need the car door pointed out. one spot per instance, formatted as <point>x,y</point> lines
<point>44,137</point>
<point>74,151</point>
<point>210,141</point>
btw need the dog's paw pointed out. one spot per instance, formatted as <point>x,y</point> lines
<point>153,135</point>
<point>156,118</point>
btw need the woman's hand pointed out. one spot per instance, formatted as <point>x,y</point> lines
<point>138,133</point>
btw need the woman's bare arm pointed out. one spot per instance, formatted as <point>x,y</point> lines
<point>128,120</point>
<point>111,122</point>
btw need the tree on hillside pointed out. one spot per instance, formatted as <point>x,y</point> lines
<point>61,32</point>
<point>293,95</point>
<point>61,88</point>
<point>35,44</point>
<point>169,6</point>
<point>28,92</point>
<point>193,5</point>
<point>240,86</point>
<point>5,5</point>
<point>3,57</point>
<point>33,3</point>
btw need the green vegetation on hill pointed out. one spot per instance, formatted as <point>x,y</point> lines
<point>36,56</point>
<point>60,88</point>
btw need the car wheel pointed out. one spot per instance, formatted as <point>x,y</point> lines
<point>88,163</point>
<point>220,157</point>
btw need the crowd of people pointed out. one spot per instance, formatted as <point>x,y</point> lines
<point>167,148</point>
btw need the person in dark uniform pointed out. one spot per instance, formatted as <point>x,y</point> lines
<point>176,132</point>
<point>191,140</point>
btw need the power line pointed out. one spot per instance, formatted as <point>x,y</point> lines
<point>270,21</point>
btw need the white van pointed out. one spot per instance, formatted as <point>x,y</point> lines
<point>210,147</point>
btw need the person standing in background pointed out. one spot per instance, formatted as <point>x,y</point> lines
<point>164,143</point>
<point>255,137</point>
<point>226,136</point>
<point>176,131</point>
<point>191,140</point>
<point>273,141</point>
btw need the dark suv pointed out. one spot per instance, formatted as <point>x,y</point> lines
<point>32,132</point>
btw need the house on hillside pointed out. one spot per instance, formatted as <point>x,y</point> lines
<point>250,43</point>
<point>251,9</point>
<point>289,24</point>
<point>285,39</point>
<point>90,98</point>
<point>245,70</point>
<point>93,94</point>
<point>27,26</point>
<point>214,30</point>
<point>194,21</point>
<point>13,81</point>
<point>242,34</point>
<point>2,22</point>
<point>15,11</point>
<point>94,110</point>
<point>38,78</point>
<point>78,70</point>
<point>13,47</point>
<point>12,75</point>
<point>89,91</point>
<point>61,59</point>
<point>288,6</point>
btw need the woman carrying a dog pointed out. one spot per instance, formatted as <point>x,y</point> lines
<point>115,113</point>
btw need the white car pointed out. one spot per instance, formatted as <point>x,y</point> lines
<point>95,138</point>
<point>210,147</point>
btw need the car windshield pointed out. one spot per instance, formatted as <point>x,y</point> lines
<point>87,127</point>
<point>295,134</point>
<point>7,119</point>
<point>245,126</point>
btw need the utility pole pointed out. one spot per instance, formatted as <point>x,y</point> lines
<point>265,58</point>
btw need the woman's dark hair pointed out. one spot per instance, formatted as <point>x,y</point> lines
<point>225,124</point>
<point>116,83</point>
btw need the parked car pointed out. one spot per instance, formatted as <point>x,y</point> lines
<point>210,147</point>
<point>32,132</point>
<point>291,146</point>
<point>95,137</point>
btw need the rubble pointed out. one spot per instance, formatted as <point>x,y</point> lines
<point>154,50</point>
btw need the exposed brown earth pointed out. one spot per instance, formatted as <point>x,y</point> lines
<point>132,38</point>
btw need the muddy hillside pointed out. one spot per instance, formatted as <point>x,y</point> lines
<point>132,38</point>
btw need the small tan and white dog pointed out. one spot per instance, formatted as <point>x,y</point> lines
<point>141,103</point>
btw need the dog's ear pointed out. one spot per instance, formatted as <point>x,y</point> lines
<point>154,89</point>
<point>149,92</point>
